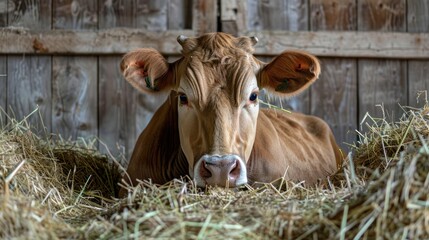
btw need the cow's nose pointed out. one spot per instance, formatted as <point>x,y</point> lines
<point>220,171</point>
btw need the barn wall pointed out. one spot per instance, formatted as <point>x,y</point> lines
<point>84,95</point>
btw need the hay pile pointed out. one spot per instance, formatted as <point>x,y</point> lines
<point>64,190</point>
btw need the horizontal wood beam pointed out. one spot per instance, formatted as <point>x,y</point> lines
<point>121,40</point>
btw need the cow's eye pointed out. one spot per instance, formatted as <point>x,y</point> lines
<point>253,97</point>
<point>183,99</point>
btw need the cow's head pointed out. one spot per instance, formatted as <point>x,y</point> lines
<point>217,82</point>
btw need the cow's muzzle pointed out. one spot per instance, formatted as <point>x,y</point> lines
<point>222,171</point>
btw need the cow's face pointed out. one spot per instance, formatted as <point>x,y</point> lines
<point>217,82</point>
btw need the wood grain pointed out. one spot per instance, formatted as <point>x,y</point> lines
<point>75,14</point>
<point>369,44</point>
<point>35,14</point>
<point>418,71</point>
<point>28,88</point>
<point>204,18</point>
<point>3,89</point>
<point>334,95</point>
<point>289,15</point>
<point>74,90</point>
<point>74,85</point>
<point>179,14</point>
<point>29,77</point>
<point>382,81</point>
<point>4,10</point>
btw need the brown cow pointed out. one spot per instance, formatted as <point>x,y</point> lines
<point>211,127</point>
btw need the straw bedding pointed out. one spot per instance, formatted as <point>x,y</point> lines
<point>55,189</point>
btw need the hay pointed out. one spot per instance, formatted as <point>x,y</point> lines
<point>52,189</point>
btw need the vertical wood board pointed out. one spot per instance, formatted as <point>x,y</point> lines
<point>289,15</point>
<point>3,89</point>
<point>179,14</point>
<point>28,88</point>
<point>75,14</point>
<point>75,97</point>
<point>113,118</point>
<point>334,95</point>
<point>29,77</point>
<point>418,71</point>
<point>35,14</point>
<point>382,81</point>
<point>204,16</point>
<point>5,9</point>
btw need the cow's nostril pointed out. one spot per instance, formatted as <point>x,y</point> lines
<point>235,171</point>
<point>204,171</point>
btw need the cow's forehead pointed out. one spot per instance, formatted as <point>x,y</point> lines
<point>230,75</point>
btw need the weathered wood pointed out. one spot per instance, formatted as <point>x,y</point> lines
<point>74,84</point>
<point>179,14</point>
<point>385,15</point>
<point>394,45</point>
<point>5,8</point>
<point>75,14</point>
<point>334,95</point>
<point>418,82</point>
<point>114,124</point>
<point>382,81</point>
<point>204,18</point>
<point>28,88</point>
<point>74,90</point>
<point>29,77</point>
<point>418,71</point>
<point>289,15</point>
<point>35,14</point>
<point>267,18</point>
<point>3,89</point>
<point>338,15</point>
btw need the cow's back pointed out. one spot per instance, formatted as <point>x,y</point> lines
<point>293,145</point>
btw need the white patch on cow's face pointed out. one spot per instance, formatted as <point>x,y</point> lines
<point>217,120</point>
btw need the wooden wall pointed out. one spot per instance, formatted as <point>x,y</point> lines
<point>84,95</point>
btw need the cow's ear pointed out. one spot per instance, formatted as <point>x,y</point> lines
<point>289,73</point>
<point>147,70</point>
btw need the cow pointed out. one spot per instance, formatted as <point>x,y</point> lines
<point>211,127</point>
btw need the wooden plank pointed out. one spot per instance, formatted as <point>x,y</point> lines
<point>75,84</point>
<point>382,81</point>
<point>418,82</point>
<point>75,14</point>
<point>28,88</point>
<point>289,15</point>
<point>5,8</point>
<point>179,14</point>
<point>114,121</point>
<point>334,95</point>
<point>35,14</point>
<point>204,18</point>
<point>266,18</point>
<point>29,77</point>
<point>418,71</point>
<point>74,91</point>
<point>3,89</point>
<point>381,15</point>
<point>338,15</point>
<point>367,44</point>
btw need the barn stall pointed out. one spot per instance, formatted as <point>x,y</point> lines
<point>62,58</point>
